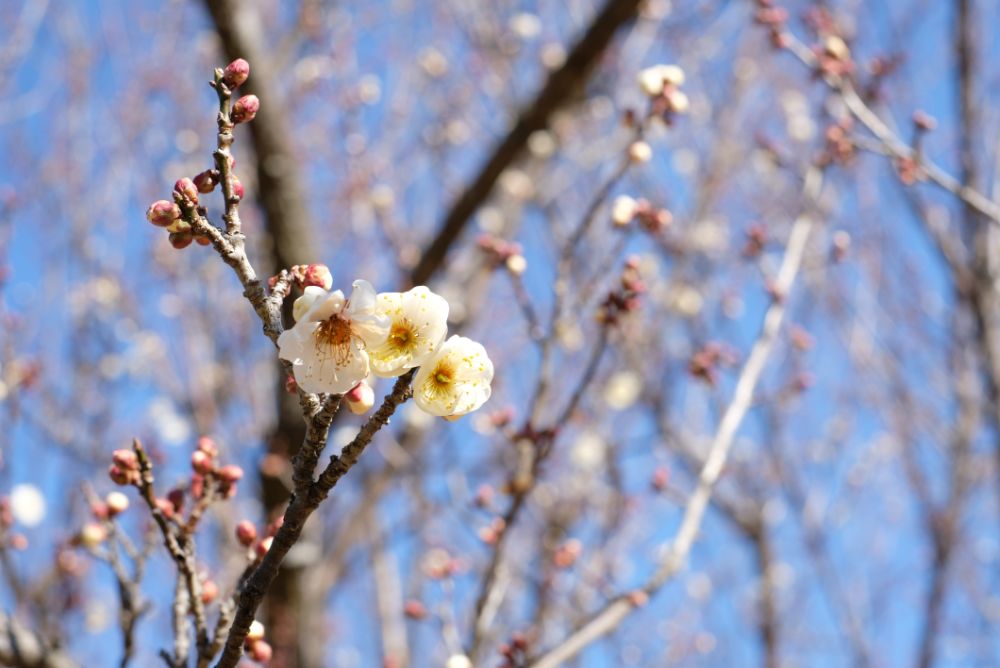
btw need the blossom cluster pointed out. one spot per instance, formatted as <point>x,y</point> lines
<point>338,342</point>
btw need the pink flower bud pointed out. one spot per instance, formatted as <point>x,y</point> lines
<point>245,109</point>
<point>206,181</point>
<point>175,498</point>
<point>119,476</point>
<point>230,473</point>
<point>237,188</point>
<point>99,510</point>
<point>181,240</point>
<point>318,275</point>
<point>246,533</point>
<point>187,190</point>
<point>208,446</point>
<point>209,591</point>
<point>162,213</point>
<point>202,241</point>
<point>360,399</point>
<point>125,459</point>
<point>260,652</point>
<point>414,609</point>
<point>201,462</point>
<point>18,541</point>
<point>264,546</point>
<point>236,73</point>
<point>165,507</point>
<point>116,502</point>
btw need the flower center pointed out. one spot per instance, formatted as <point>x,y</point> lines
<point>402,337</point>
<point>442,377</point>
<point>333,337</point>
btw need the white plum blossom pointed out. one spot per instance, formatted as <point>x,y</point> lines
<point>417,321</point>
<point>653,79</point>
<point>328,345</point>
<point>456,380</point>
<point>306,300</point>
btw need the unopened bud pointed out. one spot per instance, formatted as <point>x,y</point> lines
<point>264,546</point>
<point>236,73</point>
<point>119,476</point>
<point>187,190</point>
<point>623,210</point>
<point>246,533</point>
<point>175,498</point>
<point>206,181</point>
<point>201,462</point>
<point>181,240</point>
<point>516,264</point>
<point>162,213</point>
<point>230,473</point>
<point>209,591</point>
<point>92,535</point>
<point>317,275</point>
<point>414,609</point>
<point>639,152</point>
<point>237,188</point>
<point>125,459</point>
<point>360,398</point>
<point>261,652</point>
<point>245,109</point>
<point>256,631</point>
<point>208,446</point>
<point>116,502</point>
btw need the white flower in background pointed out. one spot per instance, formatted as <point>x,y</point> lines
<point>653,79</point>
<point>622,390</point>
<point>417,321</point>
<point>458,661</point>
<point>623,210</point>
<point>327,346</point>
<point>639,152</point>
<point>27,505</point>
<point>456,380</point>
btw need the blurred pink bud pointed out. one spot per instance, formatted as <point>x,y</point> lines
<point>162,213</point>
<point>125,459</point>
<point>206,181</point>
<point>208,446</point>
<point>924,121</point>
<point>484,496</point>
<point>187,190</point>
<point>260,652</point>
<point>245,109</point>
<point>661,477</point>
<point>246,533</point>
<point>414,609</point>
<point>175,498</point>
<point>99,510</point>
<point>236,73</point>
<point>202,241</point>
<point>165,507</point>
<point>638,598</point>
<point>201,462</point>
<point>264,545</point>
<point>181,240</point>
<point>291,386</point>
<point>230,473</point>
<point>209,591</point>
<point>18,541</point>
<point>119,476</point>
<point>360,398</point>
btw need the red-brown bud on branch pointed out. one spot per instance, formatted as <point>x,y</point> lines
<point>236,73</point>
<point>245,108</point>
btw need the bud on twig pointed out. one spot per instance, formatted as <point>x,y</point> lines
<point>236,73</point>
<point>245,108</point>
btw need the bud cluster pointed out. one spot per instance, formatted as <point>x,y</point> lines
<point>661,83</point>
<point>500,252</point>
<point>177,216</point>
<point>625,209</point>
<point>707,360</point>
<point>774,19</point>
<point>255,646</point>
<point>625,297</point>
